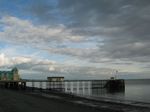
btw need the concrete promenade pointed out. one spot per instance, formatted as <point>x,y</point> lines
<point>14,101</point>
<point>25,101</point>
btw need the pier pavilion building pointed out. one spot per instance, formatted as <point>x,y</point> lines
<point>10,75</point>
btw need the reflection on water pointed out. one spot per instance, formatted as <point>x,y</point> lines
<point>89,88</point>
<point>78,87</point>
<point>84,88</point>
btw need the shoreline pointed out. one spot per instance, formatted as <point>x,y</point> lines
<point>117,101</point>
<point>106,103</point>
<point>94,98</point>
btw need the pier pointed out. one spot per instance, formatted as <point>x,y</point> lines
<point>63,85</point>
<point>11,80</point>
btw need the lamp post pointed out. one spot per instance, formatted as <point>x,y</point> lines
<point>116,72</point>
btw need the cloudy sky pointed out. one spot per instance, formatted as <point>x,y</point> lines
<point>78,39</point>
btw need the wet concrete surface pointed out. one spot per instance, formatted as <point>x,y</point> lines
<point>13,101</point>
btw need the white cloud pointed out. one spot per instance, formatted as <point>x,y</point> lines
<point>3,60</point>
<point>18,60</point>
<point>10,61</point>
<point>31,67</point>
<point>51,68</point>
<point>41,68</point>
<point>20,31</point>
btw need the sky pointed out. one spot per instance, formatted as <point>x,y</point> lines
<point>77,39</point>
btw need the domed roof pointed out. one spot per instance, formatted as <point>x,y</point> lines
<point>14,69</point>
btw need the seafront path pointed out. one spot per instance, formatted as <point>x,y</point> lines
<point>19,101</point>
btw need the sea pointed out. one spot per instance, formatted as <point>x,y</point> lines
<point>135,90</point>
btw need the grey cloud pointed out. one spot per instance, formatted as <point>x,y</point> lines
<point>77,52</point>
<point>104,12</point>
<point>122,24</point>
<point>93,55</point>
<point>44,11</point>
<point>129,18</point>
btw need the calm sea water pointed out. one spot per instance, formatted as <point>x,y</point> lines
<point>136,90</point>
